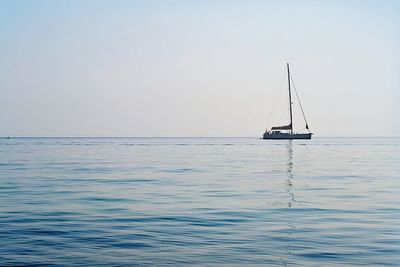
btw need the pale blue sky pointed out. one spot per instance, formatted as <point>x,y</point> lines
<point>196,68</point>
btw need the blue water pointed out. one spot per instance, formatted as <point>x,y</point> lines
<point>199,202</point>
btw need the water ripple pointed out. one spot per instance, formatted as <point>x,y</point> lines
<point>199,202</point>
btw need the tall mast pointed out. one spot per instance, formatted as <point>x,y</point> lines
<point>290,100</point>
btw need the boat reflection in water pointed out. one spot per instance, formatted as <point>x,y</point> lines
<point>289,181</point>
<point>290,227</point>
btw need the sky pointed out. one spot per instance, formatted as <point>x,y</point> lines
<point>197,68</point>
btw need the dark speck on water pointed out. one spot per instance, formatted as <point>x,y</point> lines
<point>199,202</point>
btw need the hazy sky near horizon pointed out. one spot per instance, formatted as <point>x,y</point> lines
<point>197,68</point>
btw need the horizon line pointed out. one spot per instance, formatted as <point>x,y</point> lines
<point>10,137</point>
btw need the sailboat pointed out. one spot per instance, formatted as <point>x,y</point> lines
<point>286,131</point>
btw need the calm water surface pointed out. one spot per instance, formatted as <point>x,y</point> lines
<point>199,202</point>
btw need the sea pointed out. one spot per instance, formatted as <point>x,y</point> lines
<point>199,202</point>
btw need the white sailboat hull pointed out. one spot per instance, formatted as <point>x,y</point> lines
<point>287,136</point>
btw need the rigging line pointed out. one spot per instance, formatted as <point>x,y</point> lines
<point>277,100</point>
<point>298,99</point>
